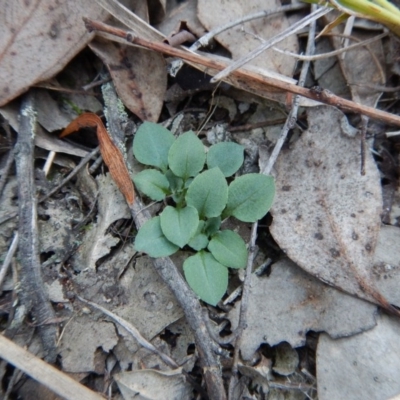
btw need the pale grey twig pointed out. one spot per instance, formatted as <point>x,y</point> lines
<point>95,164</point>
<point>347,31</point>
<point>7,261</point>
<point>234,295</point>
<point>244,304</point>
<point>269,43</point>
<point>205,39</point>
<point>291,120</point>
<point>391,134</point>
<point>81,164</point>
<point>331,53</point>
<point>292,117</point>
<point>177,64</point>
<point>31,291</point>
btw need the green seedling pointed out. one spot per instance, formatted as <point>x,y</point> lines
<point>195,183</point>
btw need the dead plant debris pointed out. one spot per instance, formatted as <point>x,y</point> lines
<point>315,313</point>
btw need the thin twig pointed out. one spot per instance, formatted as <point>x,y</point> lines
<point>74,172</point>
<point>290,122</point>
<point>31,290</point>
<point>15,377</point>
<point>244,304</point>
<point>65,90</point>
<point>331,53</point>
<point>133,331</point>
<point>253,80</point>
<point>292,117</point>
<point>205,40</point>
<point>347,31</point>
<point>378,88</point>
<point>391,134</point>
<point>363,142</point>
<point>49,162</point>
<point>7,261</point>
<point>269,43</point>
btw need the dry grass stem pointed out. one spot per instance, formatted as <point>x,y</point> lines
<point>331,53</point>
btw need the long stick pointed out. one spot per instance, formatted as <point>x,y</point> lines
<point>250,78</point>
<point>55,380</point>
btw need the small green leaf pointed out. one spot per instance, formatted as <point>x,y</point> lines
<point>151,145</point>
<point>186,156</point>
<point>212,226</point>
<point>152,241</point>
<point>229,249</point>
<point>152,183</point>
<point>175,182</point>
<point>227,156</point>
<point>206,276</point>
<point>250,197</point>
<point>179,225</point>
<point>208,193</point>
<point>199,242</point>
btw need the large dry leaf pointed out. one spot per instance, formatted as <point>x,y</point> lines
<point>38,38</point>
<point>365,366</point>
<point>139,76</point>
<point>294,302</point>
<point>240,41</point>
<point>326,214</point>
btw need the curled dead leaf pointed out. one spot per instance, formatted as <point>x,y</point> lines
<point>112,155</point>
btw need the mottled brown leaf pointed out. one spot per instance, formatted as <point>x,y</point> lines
<point>326,214</point>
<point>38,38</point>
<point>139,76</point>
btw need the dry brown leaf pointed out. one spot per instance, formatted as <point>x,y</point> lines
<point>112,155</point>
<point>38,38</point>
<point>182,14</point>
<point>362,65</point>
<point>240,42</point>
<point>326,214</point>
<point>139,76</point>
